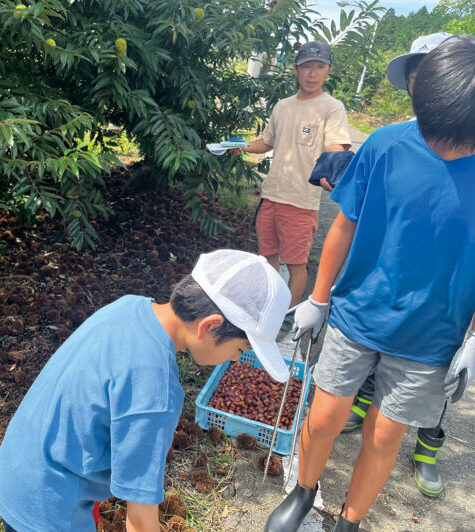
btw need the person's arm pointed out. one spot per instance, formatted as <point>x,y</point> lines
<point>256,146</point>
<point>142,517</point>
<point>334,253</point>
<point>311,314</point>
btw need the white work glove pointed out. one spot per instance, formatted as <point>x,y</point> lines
<point>309,315</point>
<point>461,370</point>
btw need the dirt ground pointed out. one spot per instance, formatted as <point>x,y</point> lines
<point>47,290</point>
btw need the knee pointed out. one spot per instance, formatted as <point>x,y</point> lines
<point>323,427</point>
<point>297,269</point>
<point>382,440</point>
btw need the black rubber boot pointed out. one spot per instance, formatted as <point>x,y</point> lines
<point>288,516</point>
<point>343,525</point>
<point>426,476</point>
<point>358,413</point>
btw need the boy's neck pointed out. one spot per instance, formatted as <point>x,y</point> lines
<point>309,96</point>
<point>171,323</point>
<point>450,154</point>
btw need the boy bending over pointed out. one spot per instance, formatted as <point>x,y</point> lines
<point>100,417</point>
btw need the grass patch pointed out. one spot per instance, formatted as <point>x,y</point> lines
<point>192,378</point>
<point>368,123</point>
<point>361,122</point>
<point>236,200</point>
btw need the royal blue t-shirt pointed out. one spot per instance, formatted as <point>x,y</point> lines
<point>409,285</point>
<point>98,421</point>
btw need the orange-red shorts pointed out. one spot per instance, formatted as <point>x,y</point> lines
<point>285,230</point>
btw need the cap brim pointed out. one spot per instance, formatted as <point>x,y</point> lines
<point>396,70</point>
<point>307,59</point>
<point>270,357</point>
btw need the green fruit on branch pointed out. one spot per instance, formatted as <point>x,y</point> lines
<point>18,9</point>
<point>77,214</point>
<point>200,13</point>
<point>121,47</point>
<point>51,42</point>
<point>191,104</point>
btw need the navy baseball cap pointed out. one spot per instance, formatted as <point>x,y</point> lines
<point>314,51</point>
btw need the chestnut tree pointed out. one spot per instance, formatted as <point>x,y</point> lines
<point>163,70</point>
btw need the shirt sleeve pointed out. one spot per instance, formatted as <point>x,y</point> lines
<point>350,190</point>
<point>269,131</point>
<point>139,447</point>
<point>336,127</point>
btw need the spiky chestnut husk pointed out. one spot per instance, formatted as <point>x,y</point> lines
<point>214,434</point>
<point>246,441</point>
<point>182,440</point>
<point>177,523</point>
<point>173,505</point>
<point>121,47</point>
<point>275,464</point>
<point>200,13</point>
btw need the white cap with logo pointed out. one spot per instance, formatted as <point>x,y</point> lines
<point>252,296</point>
<point>396,70</point>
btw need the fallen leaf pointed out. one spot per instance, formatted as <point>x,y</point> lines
<point>238,455</point>
<point>347,455</point>
<point>228,448</point>
<point>16,355</point>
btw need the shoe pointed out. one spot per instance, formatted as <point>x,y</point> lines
<point>358,413</point>
<point>343,525</point>
<point>426,475</point>
<point>288,516</point>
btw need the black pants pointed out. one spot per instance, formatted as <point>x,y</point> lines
<point>367,392</point>
<point>8,528</point>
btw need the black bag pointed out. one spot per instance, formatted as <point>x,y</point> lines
<point>331,165</point>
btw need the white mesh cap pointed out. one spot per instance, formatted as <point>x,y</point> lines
<point>252,296</point>
<point>396,70</point>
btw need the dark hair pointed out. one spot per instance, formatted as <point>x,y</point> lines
<point>189,302</point>
<point>443,95</point>
<point>411,65</point>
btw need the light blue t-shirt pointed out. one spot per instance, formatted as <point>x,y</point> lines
<point>409,285</point>
<point>98,421</point>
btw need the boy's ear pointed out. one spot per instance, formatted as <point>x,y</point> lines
<point>295,69</point>
<point>208,324</point>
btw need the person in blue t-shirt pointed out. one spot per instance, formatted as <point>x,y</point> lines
<point>99,419</point>
<point>401,73</point>
<point>407,296</point>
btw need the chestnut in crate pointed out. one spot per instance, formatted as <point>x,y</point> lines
<point>251,393</point>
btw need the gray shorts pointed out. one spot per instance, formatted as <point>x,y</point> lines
<point>405,391</point>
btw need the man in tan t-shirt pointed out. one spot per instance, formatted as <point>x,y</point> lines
<point>299,130</point>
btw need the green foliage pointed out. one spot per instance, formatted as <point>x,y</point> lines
<point>164,72</point>
<point>464,25</point>
<point>389,102</point>
<point>350,39</point>
<point>457,8</point>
